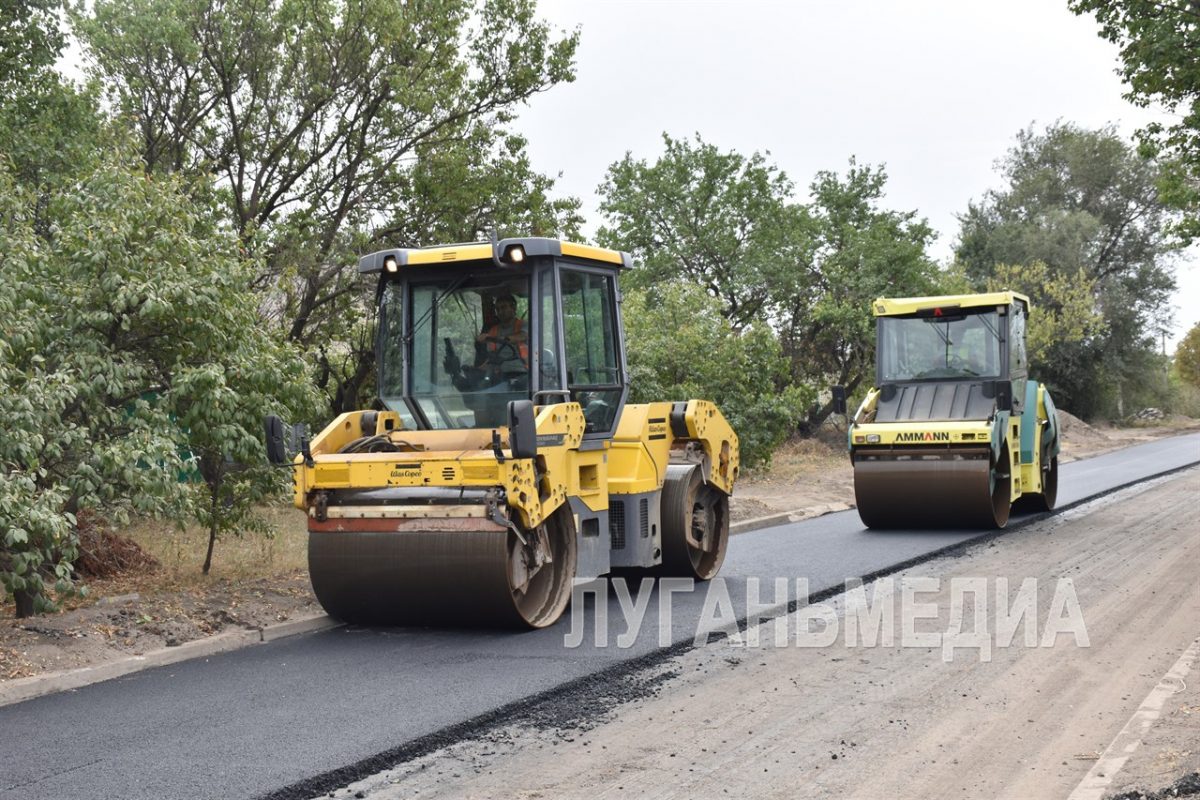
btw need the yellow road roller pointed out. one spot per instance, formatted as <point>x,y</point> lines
<point>954,432</point>
<point>502,462</point>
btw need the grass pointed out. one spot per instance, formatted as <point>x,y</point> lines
<point>801,458</point>
<point>238,561</point>
<point>235,558</point>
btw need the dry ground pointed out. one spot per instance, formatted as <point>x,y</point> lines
<point>257,580</point>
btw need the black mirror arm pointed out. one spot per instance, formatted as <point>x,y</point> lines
<point>563,393</point>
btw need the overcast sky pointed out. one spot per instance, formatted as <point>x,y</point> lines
<point>936,90</point>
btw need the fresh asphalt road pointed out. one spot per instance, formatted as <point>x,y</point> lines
<point>248,722</point>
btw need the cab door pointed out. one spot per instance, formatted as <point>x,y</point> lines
<point>594,358</point>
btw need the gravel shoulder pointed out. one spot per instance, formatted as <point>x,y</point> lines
<point>900,721</point>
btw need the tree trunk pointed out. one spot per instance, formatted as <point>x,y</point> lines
<point>346,397</point>
<point>24,602</point>
<point>213,518</point>
<point>212,540</point>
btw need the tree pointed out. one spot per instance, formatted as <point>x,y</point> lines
<point>36,524</point>
<point>48,128</point>
<point>720,220</point>
<point>1187,356</point>
<point>681,346</point>
<point>321,118</point>
<point>1158,43</point>
<point>1082,200</point>
<point>134,356</point>
<point>728,224</point>
<point>1063,313</point>
<point>457,192</point>
<point>858,252</point>
<point>1063,322</point>
<point>125,305</point>
<point>30,39</point>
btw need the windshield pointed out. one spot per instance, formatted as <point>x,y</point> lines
<point>468,349</point>
<point>920,348</point>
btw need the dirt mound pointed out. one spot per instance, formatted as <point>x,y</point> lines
<point>1187,786</point>
<point>104,554</point>
<point>1075,432</point>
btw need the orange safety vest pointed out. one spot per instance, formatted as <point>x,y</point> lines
<point>493,339</point>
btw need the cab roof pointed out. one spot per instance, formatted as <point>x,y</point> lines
<point>899,306</point>
<point>532,246</point>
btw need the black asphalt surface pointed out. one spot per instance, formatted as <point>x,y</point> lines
<point>246,723</point>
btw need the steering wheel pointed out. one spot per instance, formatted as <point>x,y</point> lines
<point>505,351</point>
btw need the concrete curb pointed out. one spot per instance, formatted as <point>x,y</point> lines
<point>318,622</point>
<point>21,689</point>
<point>784,517</point>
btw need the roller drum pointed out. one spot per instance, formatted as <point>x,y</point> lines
<point>695,524</point>
<point>958,488</point>
<point>437,572</point>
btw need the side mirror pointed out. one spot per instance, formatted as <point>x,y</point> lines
<point>839,400</point>
<point>276,448</point>
<point>1004,395</point>
<point>522,435</point>
<point>282,444</point>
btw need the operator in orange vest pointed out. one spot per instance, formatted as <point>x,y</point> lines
<point>502,351</point>
<point>505,351</point>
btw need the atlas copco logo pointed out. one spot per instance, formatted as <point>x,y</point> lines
<point>926,436</point>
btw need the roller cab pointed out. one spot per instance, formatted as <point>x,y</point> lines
<point>503,462</point>
<point>954,432</point>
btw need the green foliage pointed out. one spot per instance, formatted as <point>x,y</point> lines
<point>1158,43</point>
<point>36,532</point>
<point>1184,397</point>
<point>460,190</point>
<point>682,347</point>
<point>722,221</point>
<point>1063,315</point>
<point>135,339</point>
<point>1187,356</point>
<point>30,40</point>
<point>47,127</point>
<point>1082,202</point>
<point>858,252</point>
<point>334,127</point>
<point>806,274</point>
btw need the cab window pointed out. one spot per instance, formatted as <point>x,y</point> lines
<point>590,337</point>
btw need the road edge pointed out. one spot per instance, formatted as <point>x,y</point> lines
<point>22,689</point>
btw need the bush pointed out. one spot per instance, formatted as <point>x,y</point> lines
<point>682,348</point>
